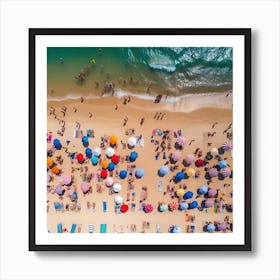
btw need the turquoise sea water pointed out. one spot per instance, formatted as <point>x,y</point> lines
<point>174,71</point>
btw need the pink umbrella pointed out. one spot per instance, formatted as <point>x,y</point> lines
<point>212,192</point>
<point>85,187</point>
<point>189,159</point>
<point>67,180</point>
<point>148,208</point>
<point>109,181</point>
<point>176,156</point>
<point>181,141</point>
<point>222,226</point>
<point>226,172</point>
<point>227,146</point>
<point>213,172</point>
<point>208,203</point>
<point>174,205</point>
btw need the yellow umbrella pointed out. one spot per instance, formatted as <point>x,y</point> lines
<point>180,192</point>
<point>191,172</point>
<point>104,164</point>
<point>49,162</point>
<point>113,139</point>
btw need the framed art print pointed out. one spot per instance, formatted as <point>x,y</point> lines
<point>140,139</point>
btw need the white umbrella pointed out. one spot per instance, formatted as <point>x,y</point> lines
<point>117,187</point>
<point>109,181</point>
<point>118,199</point>
<point>132,141</point>
<point>110,152</point>
<point>96,152</point>
<point>214,151</point>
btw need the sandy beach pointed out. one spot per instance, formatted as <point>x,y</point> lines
<point>203,120</point>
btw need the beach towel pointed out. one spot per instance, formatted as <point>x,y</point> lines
<point>90,228</point>
<point>187,229</point>
<point>104,206</point>
<point>118,207</point>
<point>192,229</point>
<point>73,228</point>
<point>49,137</point>
<point>59,228</point>
<point>103,228</point>
<point>160,186</point>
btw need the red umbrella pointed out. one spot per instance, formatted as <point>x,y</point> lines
<point>124,208</point>
<point>80,158</point>
<point>115,159</point>
<point>103,174</point>
<point>174,205</point>
<point>199,163</point>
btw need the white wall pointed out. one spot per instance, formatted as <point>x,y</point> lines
<point>17,262</point>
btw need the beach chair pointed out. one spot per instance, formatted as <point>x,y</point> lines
<point>73,228</point>
<point>104,203</point>
<point>59,228</point>
<point>90,228</point>
<point>103,228</point>
<point>160,186</point>
<point>158,228</point>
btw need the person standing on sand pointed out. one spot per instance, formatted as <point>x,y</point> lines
<point>82,99</point>
<point>90,115</point>
<point>116,107</point>
<point>142,121</point>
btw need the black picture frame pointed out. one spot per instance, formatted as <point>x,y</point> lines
<point>246,32</point>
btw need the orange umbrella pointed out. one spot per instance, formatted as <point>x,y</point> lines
<point>55,170</point>
<point>49,162</point>
<point>113,139</point>
<point>104,163</point>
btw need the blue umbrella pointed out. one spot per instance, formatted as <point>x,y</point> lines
<point>133,156</point>
<point>203,190</point>
<point>164,170</point>
<point>88,152</point>
<point>94,160</point>
<point>179,176</point>
<point>183,205</point>
<point>57,144</point>
<point>74,196</point>
<point>193,204</point>
<point>123,174</point>
<point>139,173</point>
<point>188,195</point>
<point>177,229</point>
<point>222,164</point>
<point>111,166</point>
<point>85,140</point>
<point>211,227</point>
<point>57,206</point>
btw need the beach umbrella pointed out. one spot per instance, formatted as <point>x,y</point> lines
<point>199,163</point>
<point>103,174</point>
<point>222,226</point>
<point>57,144</point>
<point>110,152</point>
<point>80,158</point>
<point>118,199</point>
<point>58,190</point>
<point>124,208</point>
<point>55,170</point>
<point>139,173</point>
<point>49,162</point>
<point>94,160</point>
<point>188,195</point>
<point>208,203</point>
<point>117,187</point>
<point>213,172</point>
<point>227,146</point>
<point>176,156</point>
<point>181,141</point>
<point>104,164</point>
<point>67,180</point>
<point>203,190</point>
<point>148,208</point>
<point>180,192</point>
<point>191,172</point>
<point>109,181</point>
<point>212,192</point>
<point>133,156</point>
<point>222,164</point>
<point>174,205</point>
<point>115,159</point>
<point>211,227</point>
<point>96,152</point>
<point>111,166</point>
<point>164,170</point>
<point>132,141</point>
<point>179,176</point>
<point>189,159</point>
<point>177,229</point>
<point>85,140</point>
<point>193,205</point>
<point>74,196</point>
<point>214,151</point>
<point>183,206</point>
<point>163,208</point>
<point>226,172</point>
<point>85,187</point>
<point>113,140</point>
<point>88,152</point>
<point>123,174</point>
<point>57,206</point>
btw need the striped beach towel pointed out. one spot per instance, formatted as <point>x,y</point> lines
<point>103,228</point>
<point>90,228</point>
<point>73,228</point>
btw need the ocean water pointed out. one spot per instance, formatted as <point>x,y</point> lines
<point>142,71</point>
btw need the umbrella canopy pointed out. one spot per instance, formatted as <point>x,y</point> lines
<point>103,174</point>
<point>179,176</point>
<point>191,172</point>
<point>213,172</point>
<point>74,196</point>
<point>180,192</point>
<point>163,208</point>
<point>118,199</point>
<point>124,208</point>
<point>203,190</point>
<point>227,146</point>
<point>57,144</point>
<point>67,180</point>
<point>49,162</point>
<point>148,208</point>
<point>85,187</point>
<point>58,190</point>
<point>211,227</point>
<point>113,140</point>
<point>117,187</point>
<point>226,172</point>
<point>80,158</point>
<point>96,152</point>
<point>55,170</point>
<point>222,226</point>
<point>88,152</point>
<point>189,159</point>
<point>111,166</point>
<point>214,151</point>
<point>177,229</point>
<point>105,164</point>
<point>181,141</point>
<point>94,160</point>
<point>183,206</point>
<point>85,140</point>
<point>176,156</point>
<point>110,152</point>
<point>212,192</point>
<point>132,141</point>
<point>139,173</point>
<point>123,174</point>
<point>222,164</point>
<point>164,170</point>
<point>208,203</point>
<point>115,159</point>
<point>133,156</point>
<point>199,163</point>
<point>188,195</point>
<point>174,205</point>
<point>193,204</point>
<point>109,181</point>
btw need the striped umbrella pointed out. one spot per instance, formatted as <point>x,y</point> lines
<point>227,146</point>
<point>181,141</point>
<point>174,205</point>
